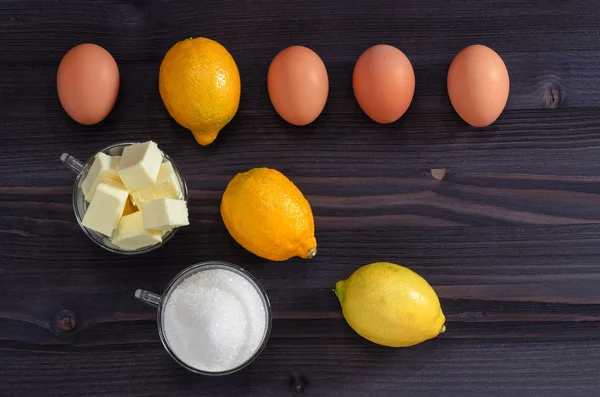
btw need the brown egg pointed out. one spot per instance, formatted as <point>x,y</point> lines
<point>88,83</point>
<point>298,85</point>
<point>384,83</point>
<point>478,85</point>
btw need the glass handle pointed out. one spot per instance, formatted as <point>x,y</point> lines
<point>149,298</point>
<point>71,162</point>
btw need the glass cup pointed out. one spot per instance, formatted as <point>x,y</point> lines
<point>80,205</point>
<point>159,302</point>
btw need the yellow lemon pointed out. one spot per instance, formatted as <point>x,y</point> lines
<point>268,215</point>
<point>200,86</point>
<point>390,305</point>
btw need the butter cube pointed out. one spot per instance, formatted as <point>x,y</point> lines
<point>139,165</point>
<point>165,213</point>
<point>105,209</point>
<point>167,186</point>
<point>104,166</point>
<point>131,235</point>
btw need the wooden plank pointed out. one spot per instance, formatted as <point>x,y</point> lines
<point>468,367</point>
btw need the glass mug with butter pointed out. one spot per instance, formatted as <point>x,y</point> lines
<point>129,198</point>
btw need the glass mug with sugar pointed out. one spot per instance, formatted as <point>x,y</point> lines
<point>214,318</point>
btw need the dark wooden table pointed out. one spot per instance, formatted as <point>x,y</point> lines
<point>510,239</point>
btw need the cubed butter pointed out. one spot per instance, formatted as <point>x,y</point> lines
<point>165,213</point>
<point>106,208</point>
<point>104,166</point>
<point>131,235</point>
<point>139,165</point>
<point>167,186</point>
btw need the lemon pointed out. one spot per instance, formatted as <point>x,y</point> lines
<point>268,215</point>
<point>390,305</point>
<point>200,85</point>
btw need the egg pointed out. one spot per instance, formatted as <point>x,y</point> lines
<point>88,83</point>
<point>298,85</point>
<point>478,85</point>
<point>384,83</point>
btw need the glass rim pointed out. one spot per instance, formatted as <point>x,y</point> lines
<point>97,237</point>
<point>222,265</point>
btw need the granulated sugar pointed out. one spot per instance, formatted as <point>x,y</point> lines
<point>214,320</point>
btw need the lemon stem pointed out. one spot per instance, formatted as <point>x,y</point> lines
<point>311,253</point>
<point>443,329</point>
<point>339,289</point>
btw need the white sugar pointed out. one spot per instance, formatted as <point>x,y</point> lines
<point>214,320</point>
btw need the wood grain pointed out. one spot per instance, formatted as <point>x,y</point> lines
<point>509,238</point>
